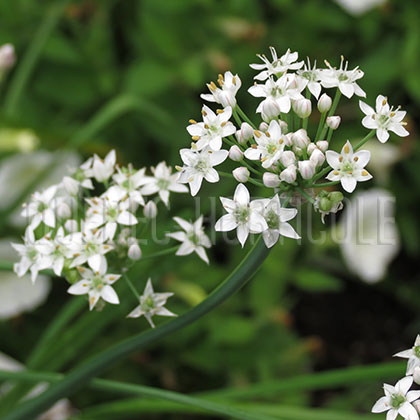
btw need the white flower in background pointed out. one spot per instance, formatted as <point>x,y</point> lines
<point>243,215</point>
<point>128,181</point>
<point>226,94</point>
<point>343,79</point>
<point>89,246</point>
<point>370,237</point>
<point>359,7</point>
<point>108,212</point>
<point>7,56</point>
<point>397,400</point>
<point>151,304</point>
<point>199,165</point>
<point>102,170</point>
<point>19,295</point>
<point>384,119</point>
<point>277,66</point>
<point>276,217</point>
<point>163,182</point>
<point>280,92</point>
<point>213,128</point>
<point>96,284</point>
<point>30,256</point>
<point>311,77</point>
<point>348,167</point>
<point>269,147</point>
<point>193,238</point>
<point>41,208</point>
<point>413,356</point>
<point>150,210</point>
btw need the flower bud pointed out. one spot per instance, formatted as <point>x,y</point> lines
<point>263,127</point>
<point>134,251</point>
<point>333,122</point>
<point>70,185</point>
<point>63,210</point>
<point>71,226</point>
<point>245,133</point>
<point>311,147</point>
<point>325,204</point>
<point>322,145</point>
<point>289,174</point>
<point>269,110</point>
<point>302,107</point>
<point>300,138</point>
<point>7,56</point>
<point>336,197</point>
<point>150,210</point>
<point>235,153</point>
<point>271,180</point>
<point>317,157</point>
<point>416,404</point>
<point>324,103</point>
<point>283,127</point>
<point>241,174</point>
<point>307,169</point>
<point>287,158</point>
<point>287,138</point>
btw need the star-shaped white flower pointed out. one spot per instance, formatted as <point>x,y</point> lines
<point>226,94</point>
<point>276,217</point>
<point>102,170</point>
<point>199,165</point>
<point>345,80</point>
<point>243,215</point>
<point>128,181</point>
<point>193,238</point>
<point>269,147</point>
<point>213,128</point>
<point>151,304</point>
<point>163,182</point>
<point>96,284</point>
<point>348,167</point>
<point>413,356</point>
<point>311,77</point>
<point>397,400</point>
<point>41,207</point>
<point>280,92</point>
<point>384,119</point>
<point>277,66</point>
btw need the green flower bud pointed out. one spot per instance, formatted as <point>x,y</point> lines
<point>325,204</point>
<point>336,197</point>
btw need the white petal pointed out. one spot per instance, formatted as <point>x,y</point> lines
<point>212,176</point>
<point>109,295</point>
<point>363,157</point>
<point>366,109</point>
<point>381,405</point>
<point>186,248</point>
<point>408,412</point>
<point>332,159</point>
<point>349,183</point>
<point>347,89</point>
<point>242,233</point>
<point>136,312</point>
<point>241,195</point>
<point>392,414</point>
<point>195,184</point>
<point>184,224</point>
<point>412,396</point>
<point>382,135</point>
<point>226,223</point>
<point>270,237</point>
<point>404,384</point>
<point>79,288</point>
<point>202,254</point>
<point>287,230</point>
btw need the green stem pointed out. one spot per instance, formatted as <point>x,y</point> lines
<point>141,390</point>
<point>30,58</point>
<point>98,364</point>
<point>322,185</point>
<point>364,140</point>
<point>245,117</point>
<point>237,119</point>
<point>306,195</point>
<point>321,174</point>
<point>159,254</point>
<point>131,286</point>
<point>320,126</point>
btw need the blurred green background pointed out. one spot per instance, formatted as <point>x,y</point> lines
<point>127,74</point>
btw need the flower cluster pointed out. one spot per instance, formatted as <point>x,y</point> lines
<point>398,399</point>
<point>284,151</point>
<point>86,228</point>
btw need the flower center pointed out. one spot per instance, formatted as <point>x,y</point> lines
<point>148,304</point>
<point>343,77</point>
<point>417,351</point>
<point>201,165</point>
<point>163,184</point>
<point>42,207</point>
<point>194,238</point>
<point>272,220</point>
<point>111,214</point>
<point>97,283</point>
<point>242,214</point>
<point>347,167</point>
<point>271,149</point>
<point>397,400</point>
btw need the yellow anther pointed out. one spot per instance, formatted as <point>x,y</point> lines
<point>257,133</point>
<point>336,173</point>
<point>346,148</point>
<point>340,158</point>
<point>365,173</point>
<point>192,121</point>
<point>356,158</point>
<point>220,111</point>
<point>195,138</point>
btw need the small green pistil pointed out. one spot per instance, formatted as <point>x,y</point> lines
<point>194,238</point>
<point>397,401</point>
<point>383,119</point>
<point>242,214</point>
<point>201,165</point>
<point>148,304</point>
<point>97,283</point>
<point>271,148</point>
<point>347,167</point>
<point>163,184</point>
<point>32,253</point>
<point>42,207</point>
<point>343,78</point>
<point>272,220</point>
<point>127,185</point>
<point>91,248</point>
<point>112,214</point>
<point>79,175</point>
<point>417,351</point>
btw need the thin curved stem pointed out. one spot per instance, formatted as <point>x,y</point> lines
<point>98,364</point>
<point>364,140</point>
<point>324,184</point>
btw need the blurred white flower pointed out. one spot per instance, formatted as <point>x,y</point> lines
<point>413,356</point>
<point>7,56</point>
<point>102,169</point>
<point>359,7</point>
<point>370,237</point>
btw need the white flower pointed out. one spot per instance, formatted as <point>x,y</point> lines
<point>193,238</point>
<point>384,119</point>
<point>128,181</point>
<point>226,94</point>
<point>41,208</point>
<point>397,400</point>
<point>277,66</point>
<point>150,210</point>
<point>345,80</point>
<point>97,285</point>
<point>7,56</point>
<point>134,251</point>
<point>109,211</point>
<point>413,356</point>
<point>151,304</point>
<point>348,167</point>
<point>370,235</point>
<point>307,168</point>
<point>102,170</point>
<point>289,174</point>
<point>163,182</point>
<point>359,7</point>
<point>241,174</point>
<point>89,246</point>
<point>324,103</point>
<point>242,215</point>
<point>269,147</point>
<point>213,128</point>
<point>312,78</point>
<point>281,91</point>
<point>199,165</point>
<point>276,217</point>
